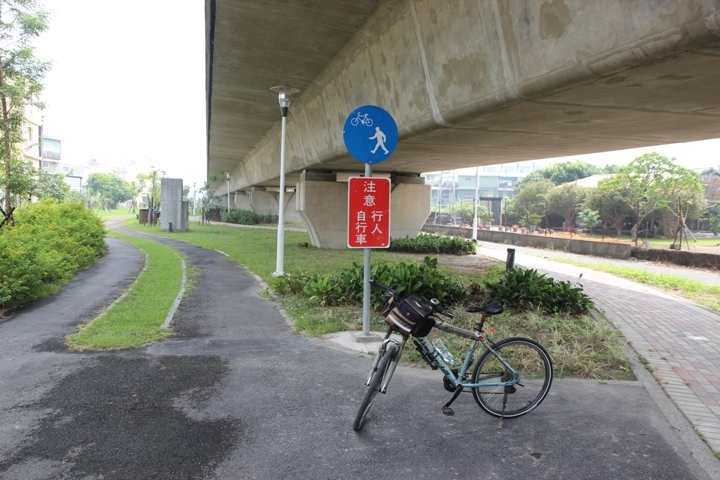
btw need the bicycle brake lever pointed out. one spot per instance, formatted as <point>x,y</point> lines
<point>437,308</point>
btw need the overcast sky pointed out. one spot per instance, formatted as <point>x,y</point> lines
<point>128,81</point>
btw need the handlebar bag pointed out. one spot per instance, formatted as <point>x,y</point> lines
<point>409,315</point>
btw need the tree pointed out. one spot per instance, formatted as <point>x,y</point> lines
<point>109,187</point>
<point>589,218</point>
<point>688,205</point>
<point>565,200</point>
<point>649,183</point>
<point>48,185</point>
<point>610,205</point>
<point>713,216</point>
<point>21,76</point>
<point>462,209</point>
<point>207,198</point>
<point>559,173</point>
<point>150,184</point>
<point>529,203</point>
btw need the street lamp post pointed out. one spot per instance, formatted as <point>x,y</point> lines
<point>284,92</point>
<point>227,175</point>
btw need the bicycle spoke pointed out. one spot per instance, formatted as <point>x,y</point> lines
<point>531,374</point>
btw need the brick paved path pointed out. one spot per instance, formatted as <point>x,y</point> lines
<point>679,340</point>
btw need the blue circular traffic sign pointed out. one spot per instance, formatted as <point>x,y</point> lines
<point>370,134</point>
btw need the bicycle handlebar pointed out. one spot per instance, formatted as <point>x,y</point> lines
<point>437,308</point>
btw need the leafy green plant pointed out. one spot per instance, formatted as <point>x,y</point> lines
<point>424,279</point>
<point>431,243</point>
<point>528,290</point>
<point>324,289</point>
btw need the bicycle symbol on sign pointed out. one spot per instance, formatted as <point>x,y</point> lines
<point>361,119</point>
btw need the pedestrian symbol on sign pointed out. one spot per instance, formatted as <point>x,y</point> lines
<point>370,148</point>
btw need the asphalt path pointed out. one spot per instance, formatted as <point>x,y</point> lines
<point>236,394</point>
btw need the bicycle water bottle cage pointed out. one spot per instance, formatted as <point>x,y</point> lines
<point>490,309</point>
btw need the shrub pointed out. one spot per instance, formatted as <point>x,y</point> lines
<point>428,243</point>
<point>246,217</point>
<point>347,287</point>
<point>49,242</point>
<point>529,290</point>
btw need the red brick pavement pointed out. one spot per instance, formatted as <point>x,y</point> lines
<point>680,341</point>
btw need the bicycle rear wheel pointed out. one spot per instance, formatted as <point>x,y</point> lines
<point>534,367</point>
<point>375,385</point>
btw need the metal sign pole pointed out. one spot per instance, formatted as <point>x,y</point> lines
<point>370,135</point>
<point>366,274</point>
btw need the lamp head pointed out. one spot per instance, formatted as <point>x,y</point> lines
<point>284,93</point>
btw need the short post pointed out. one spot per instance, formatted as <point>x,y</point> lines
<point>170,226</point>
<point>510,262</point>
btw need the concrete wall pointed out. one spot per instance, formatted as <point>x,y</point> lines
<point>171,204</point>
<point>583,247</point>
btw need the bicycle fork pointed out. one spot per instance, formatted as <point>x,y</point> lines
<point>391,368</point>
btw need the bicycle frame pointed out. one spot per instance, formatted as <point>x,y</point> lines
<point>477,338</point>
<point>431,353</point>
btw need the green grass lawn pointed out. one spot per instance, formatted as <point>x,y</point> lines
<point>137,318</point>
<point>693,290</point>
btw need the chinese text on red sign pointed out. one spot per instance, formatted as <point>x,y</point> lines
<point>368,212</point>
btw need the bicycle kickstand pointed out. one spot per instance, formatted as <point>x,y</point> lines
<point>446,410</point>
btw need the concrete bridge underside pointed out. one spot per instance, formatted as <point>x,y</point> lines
<point>472,82</point>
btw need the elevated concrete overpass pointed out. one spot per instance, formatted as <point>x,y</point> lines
<point>472,82</point>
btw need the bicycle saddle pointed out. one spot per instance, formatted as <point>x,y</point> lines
<point>492,308</point>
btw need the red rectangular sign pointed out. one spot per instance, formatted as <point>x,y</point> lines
<point>368,212</point>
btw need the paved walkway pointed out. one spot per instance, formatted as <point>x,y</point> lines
<point>679,340</point>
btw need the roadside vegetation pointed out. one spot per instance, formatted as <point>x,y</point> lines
<point>137,318</point>
<point>48,243</point>
<point>432,243</point>
<point>316,296</point>
<point>693,290</point>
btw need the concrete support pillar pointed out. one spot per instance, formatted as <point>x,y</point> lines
<point>174,210</point>
<point>242,201</point>
<point>409,206</point>
<point>264,202</point>
<point>322,204</point>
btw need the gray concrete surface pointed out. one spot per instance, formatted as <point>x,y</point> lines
<point>235,394</point>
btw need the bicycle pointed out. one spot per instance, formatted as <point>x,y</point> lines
<point>361,119</point>
<point>511,378</point>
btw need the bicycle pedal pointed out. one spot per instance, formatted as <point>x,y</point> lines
<point>447,411</point>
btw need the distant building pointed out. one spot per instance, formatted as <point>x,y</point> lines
<point>51,154</point>
<point>31,136</point>
<point>495,183</point>
<point>710,178</point>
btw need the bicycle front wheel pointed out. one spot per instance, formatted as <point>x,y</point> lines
<point>534,371</point>
<point>375,385</point>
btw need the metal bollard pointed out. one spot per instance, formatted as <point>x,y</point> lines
<point>510,262</point>
<point>170,226</point>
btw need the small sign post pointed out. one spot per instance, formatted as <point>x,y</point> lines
<point>370,135</point>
